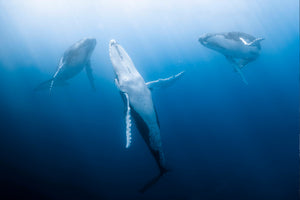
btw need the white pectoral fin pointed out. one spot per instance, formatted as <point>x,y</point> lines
<point>164,82</point>
<point>128,122</point>
<point>244,41</point>
<point>89,73</point>
<point>254,42</point>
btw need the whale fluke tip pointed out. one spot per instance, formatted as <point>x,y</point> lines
<point>153,181</point>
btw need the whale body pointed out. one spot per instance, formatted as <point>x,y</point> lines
<point>238,48</point>
<point>138,101</point>
<point>74,60</point>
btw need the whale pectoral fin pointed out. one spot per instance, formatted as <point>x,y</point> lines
<point>49,84</point>
<point>89,73</point>
<point>128,122</point>
<point>164,82</point>
<point>244,41</point>
<point>256,41</point>
<point>253,43</point>
<point>44,85</point>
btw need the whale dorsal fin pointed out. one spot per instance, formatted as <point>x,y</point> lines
<point>163,82</point>
<point>128,122</point>
<point>89,73</point>
<point>253,43</point>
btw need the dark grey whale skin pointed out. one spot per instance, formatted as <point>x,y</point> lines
<point>74,60</point>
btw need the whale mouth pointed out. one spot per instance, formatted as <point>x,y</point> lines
<point>204,42</point>
<point>203,38</point>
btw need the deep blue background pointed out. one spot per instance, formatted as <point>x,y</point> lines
<point>223,139</point>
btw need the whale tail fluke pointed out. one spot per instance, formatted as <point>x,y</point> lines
<point>154,180</point>
<point>49,84</point>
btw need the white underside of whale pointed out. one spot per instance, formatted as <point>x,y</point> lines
<point>239,52</point>
<point>236,49</point>
<point>137,92</point>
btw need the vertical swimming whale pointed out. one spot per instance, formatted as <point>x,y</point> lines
<point>238,48</point>
<point>74,60</point>
<point>138,100</point>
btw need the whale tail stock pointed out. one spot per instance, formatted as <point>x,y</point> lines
<point>238,70</point>
<point>49,84</point>
<point>237,66</point>
<point>154,180</point>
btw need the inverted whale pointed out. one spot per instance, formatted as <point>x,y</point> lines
<point>239,48</point>
<point>75,59</point>
<point>138,100</point>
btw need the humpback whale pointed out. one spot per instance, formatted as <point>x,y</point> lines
<point>74,60</point>
<point>139,105</point>
<point>238,48</point>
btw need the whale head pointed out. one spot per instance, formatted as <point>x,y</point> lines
<point>203,39</point>
<point>86,44</point>
<point>80,52</point>
<point>122,63</point>
<point>81,49</point>
<point>213,41</point>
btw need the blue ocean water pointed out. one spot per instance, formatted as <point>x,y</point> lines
<point>222,139</point>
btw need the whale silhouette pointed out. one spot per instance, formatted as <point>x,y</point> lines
<point>238,48</point>
<point>139,105</point>
<point>74,60</point>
